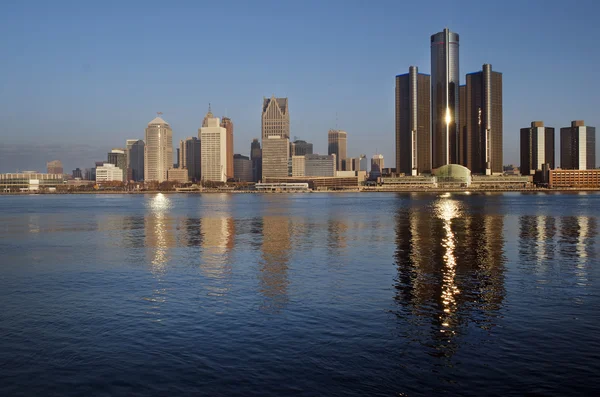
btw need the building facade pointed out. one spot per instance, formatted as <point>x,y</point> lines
<point>190,157</point>
<point>300,148</point>
<point>275,155</point>
<point>574,179</point>
<point>179,175</point>
<point>445,82</point>
<point>213,150</point>
<point>578,146</point>
<point>135,158</point>
<point>108,173</point>
<point>242,168</point>
<point>413,123</point>
<point>320,165</point>
<point>256,158</point>
<point>77,173</point>
<point>275,118</point>
<point>29,181</point>
<point>118,157</point>
<point>481,141</point>
<point>158,151</point>
<point>377,165</point>
<point>228,125</point>
<point>337,143</point>
<point>537,148</point>
<point>54,167</point>
<point>298,165</point>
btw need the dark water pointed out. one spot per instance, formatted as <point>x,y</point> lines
<point>313,294</point>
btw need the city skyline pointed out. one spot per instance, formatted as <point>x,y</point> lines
<point>535,88</point>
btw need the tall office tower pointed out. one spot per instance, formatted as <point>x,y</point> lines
<point>377,165</point>
<point>213,150</point>
<point>228,125</point>
<point>352,164</point>
<point>242,166</point>
<point>337,143</point>
<point>118,158</point>
<point>462,125</point>
<point>54,167</point>
<point>320,165</point>
<point>275,118</point>
<point>413,123</point>
<point>256,157</point>
<point>363,163</point>
<point>300,148</point>
<point>77,173</point>
<point>444,98</point>
<point>190,151</point>
<point>578,146</point>
<point>158,151</point>
<point>483,101</point>
<point>275,156</point>
<point>135,158</point>
<point>178,156</point>
<point>537,148</point>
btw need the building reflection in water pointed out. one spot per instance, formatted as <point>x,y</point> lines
<point>218,234</point>
<point>450,263</point>
<point>274,261</point>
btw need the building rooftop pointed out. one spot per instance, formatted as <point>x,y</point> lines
<point>158,120</point>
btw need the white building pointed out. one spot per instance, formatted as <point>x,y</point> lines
<point>298,164</point>
<point>109,172</point>
<point>158,152</point>
<point>213,149</point>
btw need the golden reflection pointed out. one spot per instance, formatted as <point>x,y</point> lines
<point>447,210</point>
<point>217,242</point>
<point>276,248</point>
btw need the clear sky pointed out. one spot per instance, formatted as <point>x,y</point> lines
<point>79,78</point>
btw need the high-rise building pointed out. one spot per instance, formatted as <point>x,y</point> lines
<point>483,121</point>
<point>275,118</point>
<point>54,167</point>
<point>213,149</point>
<point>118,158</point>
<point>445,83</point>
<point>337,141</point>
<point>320,165</point>
<point>228,125</point>
<point>190,153</point>
<point>256,157</point>
<point>363,163</point>
<point>537,148</point>
<point>298,165</point>
<point>300,148</point>
<point>413,122</point>
<point>135,158</point>
<point>578,146</point>
<point>242,168</point>
<point>377,165</point>
<point>158,151</point>
<point>275,155</point>
<point>77,173</point>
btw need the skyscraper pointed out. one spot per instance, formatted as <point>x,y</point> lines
<point>228,125</point>
<point>190,151</point>
<point>213,149</point>
<point>337,143</point>
<point>578,146</point>
<point>256,157</point>
<point>77,173</point>
<point>158,151</point>
<point>300,148</point>
<point>118,158</point>
<point>135,158</point>
<point>242,168</point>
<point>483,140</point>
<point>537,148</point>
<point>444,97</point>
<point>54,167</point>
<point>275,117</point>
<point>413,123</point>
<point>377,165</point>
<point>275,156</point>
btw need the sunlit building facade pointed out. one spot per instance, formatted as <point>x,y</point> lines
<point>578,146</point>
<point>214,150</point>
<point>158,151</point>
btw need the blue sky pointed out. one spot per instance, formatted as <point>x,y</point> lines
<point>78,78</point>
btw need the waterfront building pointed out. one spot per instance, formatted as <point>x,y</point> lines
<point>319,182</point>
<point>300,148</point>
<point>444,97</point>
<point>229,167</point>
<point>158,151</point>
<point>377,165</point>
<point>29,181</point>
<point>413,122</point>
<point>275,118</point>
<point>574,179</point>
<point>190,157</point>
<point>135,158</point>
<point>118,158</point>
<point>298,165</point>
<point>363,163</point>
<point>177,175</point>
<point>537,148</point>
<point>77,173</point>
<point>480,141</point>
<point>256,158</point>
<point>54,167</point>
<point>108,172</point>
<point>275,155</point>
<point>319,165</point>
<point>242,168</point>
<point>213,149</point>
<point>578,146</point>
<point>337,141</point>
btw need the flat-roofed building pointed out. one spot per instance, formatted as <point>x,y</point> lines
<point>29,181</point>
<point>109,173</point>
<point>298,165</point>
<point>574,179</point>
<point>337,144</point>
<point>537,148</point>
<point>578,146</point>
<point>319,165</point>
<point>54,167</point>
<point>275,155</point>
<point>242,168</point>
<point>319,183</point>
<point>178,175</point>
